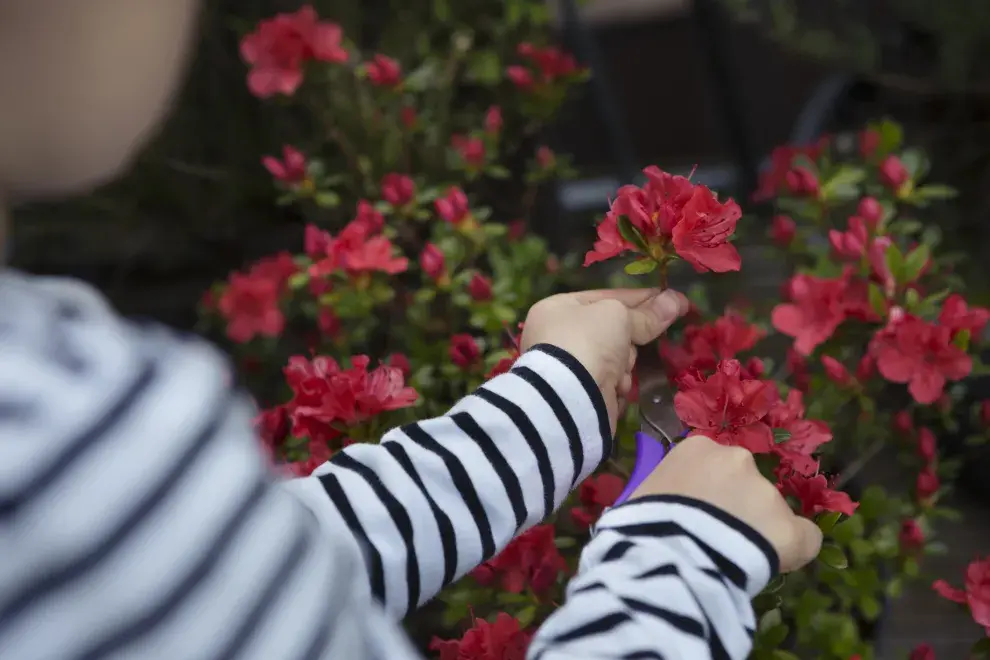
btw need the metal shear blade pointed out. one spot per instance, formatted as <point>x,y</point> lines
<point>657,417</point>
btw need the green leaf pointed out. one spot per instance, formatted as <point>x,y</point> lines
<point>891,136</point>
<point>827,520</point>
<point>781,435</point>
<point>935,191</point>
<point>771,619</point>
<point>869,607</point>
<point>526,615</point>
<point>915,162</point>
<point>774,636</point>
<point>915,262</point>
<point>630,234</point>
<point>878,302</point>
<point>441,10</point>
<point>298,281</point>
<point>781,654</point>
<point>843,184</point>
<point>484,67</point>
<point>498,172</point>
<point>895,262</point>
<point>980,650</point>
<point>832,555</point>
<point>961,340</point>
<point>641,266</point>
<point>327,199</point>
<point>907,227</point>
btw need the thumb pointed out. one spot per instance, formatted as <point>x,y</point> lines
<point>805,545</point>
<point>649,319</point>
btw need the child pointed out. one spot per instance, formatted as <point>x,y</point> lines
<point>139,519</point>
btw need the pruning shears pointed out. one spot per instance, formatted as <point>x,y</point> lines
<point>659,428</point>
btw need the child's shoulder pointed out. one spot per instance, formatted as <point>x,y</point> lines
<point>60,338</point>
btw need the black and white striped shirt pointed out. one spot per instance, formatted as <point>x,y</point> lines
<point>139,519</point>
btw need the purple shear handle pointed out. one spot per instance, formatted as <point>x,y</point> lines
<point>649,453</point>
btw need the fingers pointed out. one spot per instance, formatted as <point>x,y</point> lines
<point>804,545</point>
<point>628,297</point>
<point>652,316</point>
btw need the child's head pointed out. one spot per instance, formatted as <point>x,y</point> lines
<point>82,85</point>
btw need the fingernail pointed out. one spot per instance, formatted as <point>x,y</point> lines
<point>668,303</point>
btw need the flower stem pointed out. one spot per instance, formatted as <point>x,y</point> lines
<point>662,270</point>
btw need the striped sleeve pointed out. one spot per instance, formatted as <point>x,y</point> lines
<point>663,577</point>
<point>436,498</point>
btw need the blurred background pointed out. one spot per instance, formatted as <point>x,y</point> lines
<point>712,84</point>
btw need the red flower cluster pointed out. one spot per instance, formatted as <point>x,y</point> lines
<point>734,409</point>
<point>704,345</point>
<point>818,306</point>
<point>784,176</point>
<point>453,207</point>
<point>383,71</point>
<point>594,495</point>
<point>920,354</point>
<point>975,595</point>
<point>674,216</point>
<point>326,398</point>
<point>290,170</point>
<point>503,640</point>
<point>530,561</point>
<point>251,301</point>
<point>545,66</point>
<point>279,48</point>
<point>358,250</point>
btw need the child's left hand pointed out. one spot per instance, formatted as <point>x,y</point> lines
<point>601,330</point>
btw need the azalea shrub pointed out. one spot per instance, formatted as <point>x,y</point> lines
<point>416,186</point>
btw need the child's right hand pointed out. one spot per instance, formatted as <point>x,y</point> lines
<point>601,330</point>
<point>728,479</point>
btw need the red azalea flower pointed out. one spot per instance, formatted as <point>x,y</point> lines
<point>866,368</point>
<point>280,46</point>
<point>369,217</point>
<point>836,371</point>
<point>927,484</point>
<point>545,157</point>
<point>383,71</point>
<point>503,640</point>
<point>357,253</point>
<point>291,170</point>
<point>704,345</point>
<point>871,211</point>
<point>816,495</point>
<point>957,315</point>
<point>319,453</point>
<point>464,351</point>
<point>728,408</point>
<point>610,243</point>
<point>470,149</point>
<point>869,141</point>
<point>250,305</point>
<point>432,261</point>
<point>976,593</point>
<point>521,77</point>
<point>400,362</point>
<point>323,394</point>
<point>927,445</point>
<point>328,323</point>
<point>316,242</point>
<point>530,560</point>
<point>774,178</point>
<point>850,245</point>
<point>671,212</point>
<point>920,354</point>
<point>797,365</point>
<point>893,174</point>
<point>493,120</point>
<point>480,288</point>
<point>806,435</point>
<point>273,427</point>
<point>398,189</point>
<point>279,268</point>
<point>549,63</point>
<point>802,182</point>
<point>701,237</point>
<point>782,230</point>
<point>817,307</point>
<point>453,207</point>
<point>911,537</point>
<point>922,652</point>
<point>594,495</point>
<point>903,422</point>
